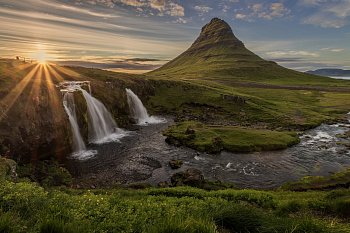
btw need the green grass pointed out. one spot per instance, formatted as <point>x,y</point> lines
<point>337,180</point>
<point>27,207</point>
<point>211,138</point>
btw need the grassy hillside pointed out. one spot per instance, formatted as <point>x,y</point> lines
<point>218,56</point>
<point>26,207</point>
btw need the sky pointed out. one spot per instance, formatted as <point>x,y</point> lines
<point>140,35</point>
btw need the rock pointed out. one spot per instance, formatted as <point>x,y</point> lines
<point>190,130</point>
<point>175,164</point>
<point>191,177</point>
<point>163,184</point>
<point>8,169</point>
<point>234,98</point>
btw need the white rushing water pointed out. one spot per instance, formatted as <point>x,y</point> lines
<point>69,107</point>
<point>102,127</point>
<point>79,147</point>
<point>138,110</point>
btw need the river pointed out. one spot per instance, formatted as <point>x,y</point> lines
<point>144,155</point>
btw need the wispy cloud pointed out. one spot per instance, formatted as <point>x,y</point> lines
<point>328,14</point>
<point>267,11</point>
<point>335,50</point>
<point>202,9</point>
<point>291,53</point>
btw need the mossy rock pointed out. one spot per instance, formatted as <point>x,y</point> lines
<point>7,169</point>
<point>175,164</point>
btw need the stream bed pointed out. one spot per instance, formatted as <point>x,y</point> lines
<point>143,156</point>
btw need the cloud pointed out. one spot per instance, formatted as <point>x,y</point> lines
<point>241,16</point>
<point>291,53</point>
<point>328,14</point>
<point>135,3</point>
<point>325,20</point>
<point>174,9</point>
<point>202,9</point>
<point>180,20</point>
<point>262,11</point>
<point>311,2</point>
<point>335,50</point>
<point>163,7</point>
<point>158,5</point>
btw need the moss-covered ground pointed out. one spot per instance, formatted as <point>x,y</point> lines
<point>212,138</point>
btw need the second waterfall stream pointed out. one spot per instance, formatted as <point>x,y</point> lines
<point>138,110</point>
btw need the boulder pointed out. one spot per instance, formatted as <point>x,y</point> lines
<point>175,164</point>
<point>191,177</point>
<point>7,169</point>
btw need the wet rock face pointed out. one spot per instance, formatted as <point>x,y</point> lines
<point>191,177</point>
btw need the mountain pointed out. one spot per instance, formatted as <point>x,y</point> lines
<point>330,72</point>
<point>218,51</point>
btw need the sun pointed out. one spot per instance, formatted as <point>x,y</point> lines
<point>40,55</point>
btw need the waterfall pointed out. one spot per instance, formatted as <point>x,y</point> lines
<point>79,148</point>
<point>69,107</point>
<point>138,110</point>
<point>102,127</point>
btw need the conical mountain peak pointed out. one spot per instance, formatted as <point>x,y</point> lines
<point>216,50</point>
<point>217,31</point>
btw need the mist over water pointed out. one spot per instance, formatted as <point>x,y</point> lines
<point>138,110</point>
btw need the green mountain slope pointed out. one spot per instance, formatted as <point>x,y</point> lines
<point>218,55</point>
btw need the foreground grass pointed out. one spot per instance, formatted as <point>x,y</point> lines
<point>27,207</point>
<point>213,139</point>
<point>337,180</point>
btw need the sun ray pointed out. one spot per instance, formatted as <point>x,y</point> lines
<point>68,72</point>
<point>8,101</point>
<point>33,99</point>
<point>54,73</point>
<point>55,108</point>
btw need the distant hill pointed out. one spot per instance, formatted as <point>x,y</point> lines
<point>330,72</point>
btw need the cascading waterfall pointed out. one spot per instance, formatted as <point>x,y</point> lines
<point>69,107</point>
<point>102,127</point>
<point>138,110</point>
<point>79,147</point>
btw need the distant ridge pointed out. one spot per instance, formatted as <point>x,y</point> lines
<point>330,72</point>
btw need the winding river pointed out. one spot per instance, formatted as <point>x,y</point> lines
<point>144,155</point>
